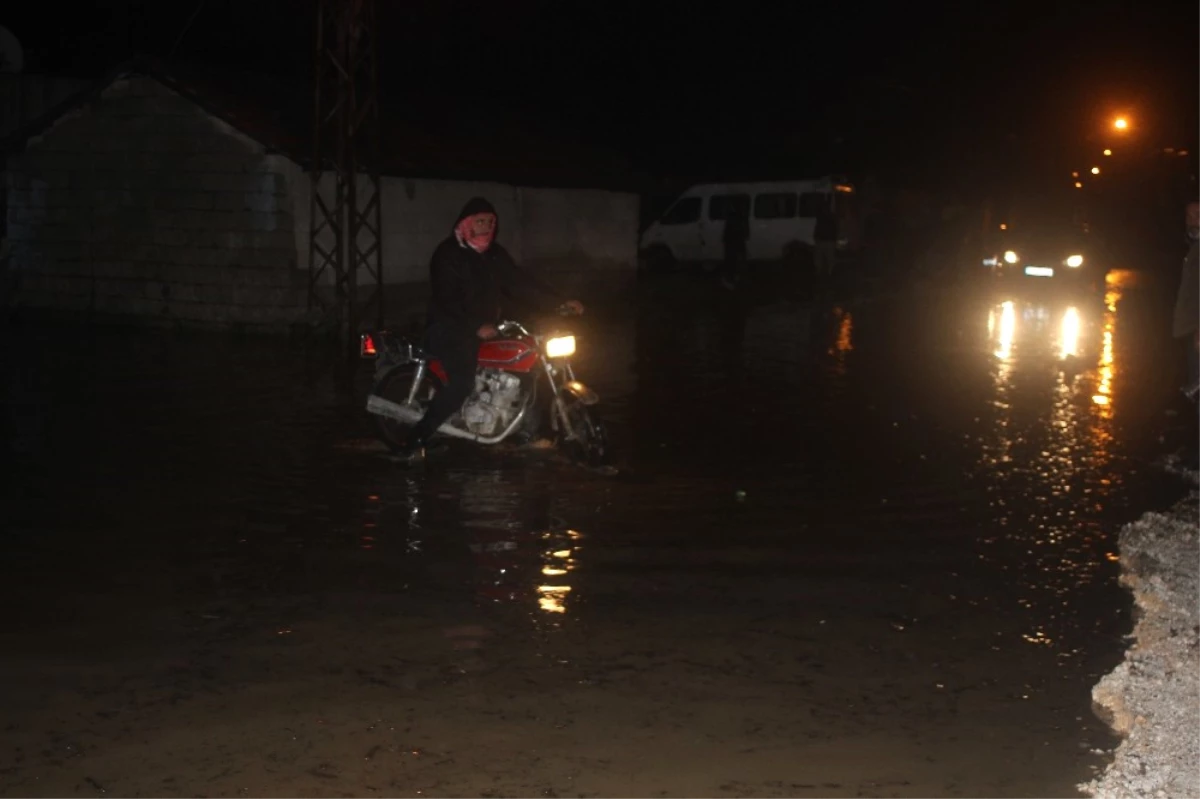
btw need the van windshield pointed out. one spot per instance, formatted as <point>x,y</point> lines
<point>683,212</point>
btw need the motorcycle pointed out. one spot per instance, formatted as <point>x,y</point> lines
<point>514,369</point>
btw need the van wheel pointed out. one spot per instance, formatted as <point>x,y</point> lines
<point>656,259</point>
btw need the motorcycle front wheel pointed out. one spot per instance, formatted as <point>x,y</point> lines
<point>394,386</point>
<point>590,445</point>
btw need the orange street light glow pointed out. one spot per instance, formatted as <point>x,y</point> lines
<point>1120,123</point>
<point>1095,170</point>
<point>1108,152</point>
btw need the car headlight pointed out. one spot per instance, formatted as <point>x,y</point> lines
<point>1010,257</point>
<point>560,347</point>
<point>1074,261</point>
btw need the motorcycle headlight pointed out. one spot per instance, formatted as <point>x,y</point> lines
<point>1010,257</point>
<point>560,347</point>
<point>1074,261</point>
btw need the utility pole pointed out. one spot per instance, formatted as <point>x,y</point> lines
<point>345,223</point>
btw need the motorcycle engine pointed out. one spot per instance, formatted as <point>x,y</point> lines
<point>494,404</point>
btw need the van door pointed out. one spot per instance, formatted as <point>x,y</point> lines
<point>775,224</point>
<point>718,211</point>
<point>680,229</point>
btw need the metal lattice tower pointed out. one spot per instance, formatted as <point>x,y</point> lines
<point>346,219</point>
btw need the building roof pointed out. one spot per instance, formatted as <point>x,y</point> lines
<point>279,114</point>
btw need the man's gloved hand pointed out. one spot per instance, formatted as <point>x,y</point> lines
<point>486,332</point>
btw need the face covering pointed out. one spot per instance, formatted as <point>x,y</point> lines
<point>476,231</point>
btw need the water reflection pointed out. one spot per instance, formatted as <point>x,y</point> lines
<point>1069,338</point>
<point>843,342</point>
<point>557,565</point>
<point>1007,328</point>
<point>496,532</point>
<point>1047,458</point>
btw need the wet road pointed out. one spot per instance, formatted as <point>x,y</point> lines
<point>215,584</point>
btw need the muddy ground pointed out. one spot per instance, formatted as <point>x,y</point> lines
<point>866,549</point>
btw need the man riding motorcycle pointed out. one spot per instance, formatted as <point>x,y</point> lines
<point>469,272</point>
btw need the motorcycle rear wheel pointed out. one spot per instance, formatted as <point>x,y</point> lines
<point>394,386</point>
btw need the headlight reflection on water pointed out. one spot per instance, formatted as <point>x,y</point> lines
<point>1069,344</point>
<point>1005,330</point>
<point>1048,457</point>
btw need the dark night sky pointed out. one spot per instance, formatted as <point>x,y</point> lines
<point>964,92</point>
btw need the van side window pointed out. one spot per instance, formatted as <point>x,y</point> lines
<point>719,205</point>
<point>681,213</point>
<point>775,206</point>
<point>812,202</point>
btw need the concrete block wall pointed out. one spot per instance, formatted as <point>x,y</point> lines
<point>547,230</point>
<point>143,204</point>
<point>417,215</point>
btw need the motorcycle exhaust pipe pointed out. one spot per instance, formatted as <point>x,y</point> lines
<point>409,415</point>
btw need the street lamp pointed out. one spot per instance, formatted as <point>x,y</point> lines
<point>1095,170</point>
<point>1121,123</point>
<point>1108,152</point>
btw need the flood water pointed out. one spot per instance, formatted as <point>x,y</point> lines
<point>855,550</point>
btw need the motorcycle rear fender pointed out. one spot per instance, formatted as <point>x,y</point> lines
<point>388,349</point>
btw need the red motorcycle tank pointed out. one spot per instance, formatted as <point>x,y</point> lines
<point>511,355</point>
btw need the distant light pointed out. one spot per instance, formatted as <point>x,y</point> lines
<point>1074,174</point>
<point>1183,152</point>
<point>1168,149</point>
<point>1095,170</point>
<point>1108,152</point>
<point>1120,123</point>
<point>1039,271</point>
<point>1003,226</point>
<point>1010,257</point>
<point>1078,185</point>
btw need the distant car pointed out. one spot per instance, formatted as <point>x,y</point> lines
<point>1048,253</point>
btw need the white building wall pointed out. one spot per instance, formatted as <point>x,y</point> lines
<point>547,229</point>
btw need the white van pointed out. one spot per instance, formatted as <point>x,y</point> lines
<point>782,218</point>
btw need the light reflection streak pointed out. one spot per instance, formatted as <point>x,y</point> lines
<point>1050,439</point>
<point>1008,329</point>
<point>843,342</point>
<point>1069,340</point>
<point>557,561</point>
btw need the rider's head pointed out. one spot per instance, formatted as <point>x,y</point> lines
<point>476,225</point>
<point>1192,218</point>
